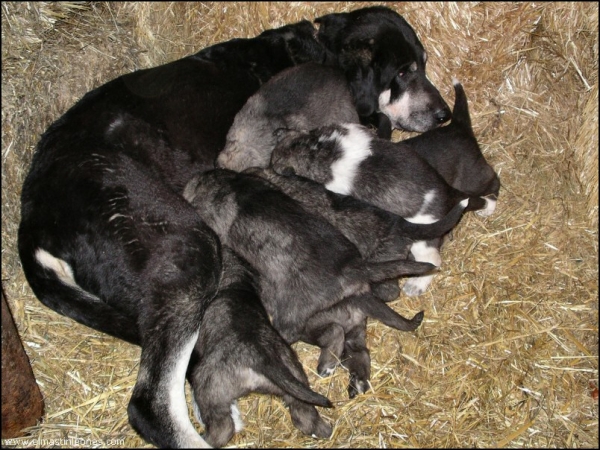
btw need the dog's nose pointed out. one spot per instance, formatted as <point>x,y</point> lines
<point>442,115</point>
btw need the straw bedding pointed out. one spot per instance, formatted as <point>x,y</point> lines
<point>508,352</point>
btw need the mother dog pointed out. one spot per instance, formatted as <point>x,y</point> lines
<point>105,236</point>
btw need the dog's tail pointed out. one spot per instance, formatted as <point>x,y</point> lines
<point>384,270</point>
<point>460,113</point>
<point>282,377</point>
<point>377,309</point>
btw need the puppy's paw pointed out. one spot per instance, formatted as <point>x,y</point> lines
<point>417,285</point>
<point>326,371</point>
<point>357,386</point>
<point>490,207</point>
<point>322,429</point>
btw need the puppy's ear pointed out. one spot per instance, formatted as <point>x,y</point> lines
<point>282,133</point>
<point>362,83</point>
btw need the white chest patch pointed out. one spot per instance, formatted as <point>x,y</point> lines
<point>399,110</point>
<point>355,147</point>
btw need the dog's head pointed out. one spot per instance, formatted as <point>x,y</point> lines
<point>384,62</point>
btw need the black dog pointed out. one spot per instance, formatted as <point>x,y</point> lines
<point>240,352</point>
<point>383,78</point>
<point>386,74</point>
<point>105,236</point>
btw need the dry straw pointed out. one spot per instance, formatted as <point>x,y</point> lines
<point>508,353</point>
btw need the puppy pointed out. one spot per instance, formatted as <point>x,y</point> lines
<point>459,161</point>
<point>238,352</point>
<point>379,235</point>
<point>347,159</point>
<point>302,97</point>
<point>313,282</point>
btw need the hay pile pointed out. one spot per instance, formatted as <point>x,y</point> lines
<point>508,352</point>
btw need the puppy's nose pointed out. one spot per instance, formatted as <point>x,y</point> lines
<point>442,115</point>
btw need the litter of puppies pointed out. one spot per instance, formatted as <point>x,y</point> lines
<point>126,131</point>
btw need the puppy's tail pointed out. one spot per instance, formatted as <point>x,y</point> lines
<point>377,309</point>
<point>423,232</point>
<point>384,270</point>
<point>282,377</point>
<point>460,113</point>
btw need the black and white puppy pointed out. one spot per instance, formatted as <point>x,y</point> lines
<point>453,151</point>
<point>238,351</point>
<point>386,73</point>
<point>378,234</point>
<point>349,160</point>
<point>313,281</point>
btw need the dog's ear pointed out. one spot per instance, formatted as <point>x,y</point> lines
<point>362,82</point>
<point>330,27</point>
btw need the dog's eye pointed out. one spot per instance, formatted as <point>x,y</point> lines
<point>412,68</point>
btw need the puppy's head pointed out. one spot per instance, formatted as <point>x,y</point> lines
<point>384,63</point>
<point>306,153</point>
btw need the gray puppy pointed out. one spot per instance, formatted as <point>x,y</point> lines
<point>237,352</point>
<point>313,281</point>
<point>302,97</point>
<point>378,234</point>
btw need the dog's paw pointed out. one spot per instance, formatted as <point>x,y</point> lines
<point>322,429</point>
<point>416,285</point>
<point>357,386</point>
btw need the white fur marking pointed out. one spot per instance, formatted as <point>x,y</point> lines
<point>399,110</point>
<point>328,372</point>
<point>238,423</point>
<point>490,207</point>
<point>356,147</point>
<point>422,252</point>
<point>62,270</point>
<point>197,412</point>
<point>421,217</point>
<point>187,436</point>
